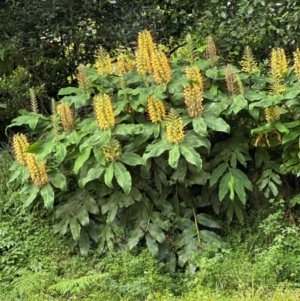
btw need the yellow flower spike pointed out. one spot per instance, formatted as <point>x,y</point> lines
<point>143,54</point>
<point>296,55</point>
<point>193,73</point>
<point>20,144</point>
<point>124,64</point>
<point>83,80</point>
<point>103,62</point>
<point>37,171</point>
<point>248,62</point>
<point>161,67</point>
<point>174,127</point>
<point>66,115</point>
<point>234,84</point>
<point>104,112</point>
<point>211,51</point>
<point>54,121</point>
<point>112,151</point>
<point>279,63</point>
<point>193,100</point>
<point>156,109</point>
<point>272,113</point>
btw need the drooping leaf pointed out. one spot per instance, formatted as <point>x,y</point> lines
<point>61,152</point>
<point>156,232</point>
<point>152,245</point>
<point>91,205</point>
<point>216,123</point>
<point>93,173</point>
<point>122,176</point>
<point>135,237</point>
<point>81,159</point>
<point>75,228</point>
<point>82,215</point>
<point>47,194</point>
<point>217,173</point>
<point>84,243</point>
<point>174,155</point>
<point>199,126</point>
<point>208,221</point>
<point>132,159</point>
<point>191,155</point>
<point>108,176</point>
<point>223,187</point>
<point>59,181</point>
<point>33,194</point>
<point>212,237</point>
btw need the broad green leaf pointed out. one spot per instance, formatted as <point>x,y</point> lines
<point>135,237</point>
<point>59,181</point>
<point>231,185</point>
<point>75,228</point>
<point>240,191</point>
<point>212,73</point>
<point>253,95</point>
<point>195,140</point>
<point>132,159</point>
<point>211,237</point>
<point>152,245</point>
<point>84,243</point>
<point>93,173</point>
<point>29,118</point>
<point>242,178</point>
<point>267,101</point>
<point>174,155</point>
<point>281,127</point>
<point>61,152</point>
<point>239,103</point>
<point>128,129</point>
<point>91,205</point>
<point>191,155</point>
<point>156,149</point>
<point>293,134</point>
<point>47,194</point>
<point>81,159</point>
<point>273,188</point>
<point>122,176</point>
<point>108,176</point>
<point>68,91</point>
<point>223,187</point>
<point>82,215</point>
<point>42,148</point>
<point>33,194</point>
<point>156,232</point>
<point>216,123</point>
<point>199,126</point>
<point>208,221</point>
<point>217,173</point>
<point>239,212</point>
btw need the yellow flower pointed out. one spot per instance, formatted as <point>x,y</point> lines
<point>143,54</point>
<point>248,62</point>
<point>36,170</point>
<point>156,109</point>
<point>211,51</point>
<point>66,116</point>
<point>104,112</point>
<point>161,67</point>
<point>174,128</point>
<point>83,79</point>
<point>20,144</point>
<point>193,73</point>
<point>193,100</point>
<point>234,84</point>
<point>272,113</point>
<point>124,64</point>
<point>296,55</point>
<point>112,151</point>
<point>103,62</point>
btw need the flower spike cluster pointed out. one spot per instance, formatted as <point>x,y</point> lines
<point>37,171</point>
<point>112,151</point>
<point>83,80</point>
<point>174,127</point>
<point>104,112</point>
<point>272,113</point>
<point>161,67</point>
<point>156,109</point>
<point>234,83</point>
<point>296,55</point>
<point>103,62</point>
<point>66,116</point>
<point>248,62</point>
<point>211,52</point>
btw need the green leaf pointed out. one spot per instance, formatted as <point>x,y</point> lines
<point>281,127</point>
<point>59,181</point>
<point>212,73</point>
<point>48,195</point>
<point>174,155</point>
<point>199,126</point>
<point>208,221</point>
<point>29,118</point>
<point>81,159</point>
<point>84,243</point>
<point>61,152</point>
<point>239,212</point>
<point>75,228</point>
<point>132,159</point>
<point>156,232</point>
<point>217,173</point>
<point>242,178</point>
<point>33,194</point>
<point>128,129</point>
<point>195,140</point>
<point>91,205</point>
<point>231,185</point>
<point>82,216</point>
<point>223,187</point>
<point>93,173</point>
<point>123,177</point>
<point>273,188</point>
<point>108,176</point>
<point>68,91</point>
<point>216,123</point>
<point>191,155</point>
<point>239,103</point>
<point>42,148</point>
<point>240,191</point>
<point>135,237</point>
<point>156,149</point>
<point>152,245</point>
<point>212,237</point>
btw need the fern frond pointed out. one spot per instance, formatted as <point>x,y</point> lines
<point>81,284</point>
<point>248,62</point>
